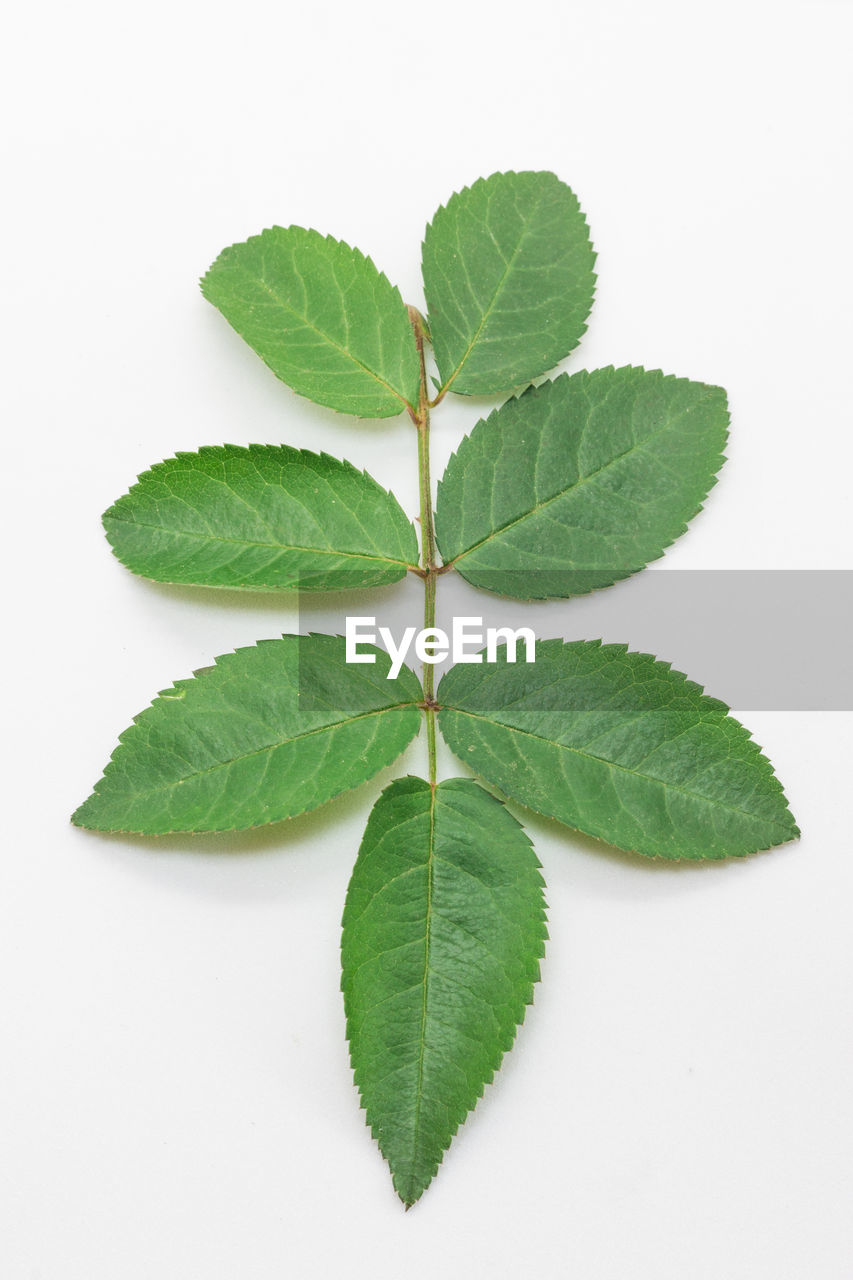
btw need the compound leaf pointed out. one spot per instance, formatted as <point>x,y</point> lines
<point>266,516</point>
<point>619,746</point>
<point>322,317</point>
<point>269,732</point>
<point>580,482</point>
<point>508,278</point>
<point>443,930</point>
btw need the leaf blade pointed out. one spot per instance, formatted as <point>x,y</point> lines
<point>266,517</point>
<point>617,745</point>
<point>429,1018</point>
<point>265,734</point>
<point>580,482</point>
<point>322,317</point>
<point>508,277</point>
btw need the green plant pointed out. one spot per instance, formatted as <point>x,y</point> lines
<point>567,487</point>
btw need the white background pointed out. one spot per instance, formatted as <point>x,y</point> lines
<point>174,1080</point>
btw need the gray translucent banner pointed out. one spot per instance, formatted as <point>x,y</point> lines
<point>761,640</point>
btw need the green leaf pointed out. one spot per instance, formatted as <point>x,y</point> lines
<point>580,482</point>
<point>443,929</point>
<point>508,278</point>
<point>619,746</point>
<point>268,516</point>
<point>267,733</point>
<point>322,317</point>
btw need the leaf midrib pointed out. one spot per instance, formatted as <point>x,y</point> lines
<point>498,290</point>
<point>247,542</point>
<point>612,764</point>
<point>273,746</point>
<point>409,1199</point>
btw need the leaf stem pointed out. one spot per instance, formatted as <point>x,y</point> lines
<point>430,569</point>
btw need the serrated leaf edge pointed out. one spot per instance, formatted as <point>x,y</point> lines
<point>372,1125</point>
<point>219,450</point>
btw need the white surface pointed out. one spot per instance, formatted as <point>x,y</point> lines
<point>174,1077</point>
